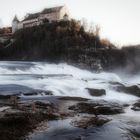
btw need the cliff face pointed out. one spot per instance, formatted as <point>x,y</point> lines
<point>69,42</point>
<point>132,54</point>
<point>52,42</point>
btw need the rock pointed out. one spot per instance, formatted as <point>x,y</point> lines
<point>134,90</point>
<point>136,106</point>
<point>126,105</point>
<point>108,110</point>
<point>34,93</point>
<point>37,106</point>
<point>73,98</point>
<point>16,124</point>
<point>116,83</point>
<point>30,94</point>
<point>4,96</point>
<point>13,89</point>
<point>97,108</point>
<point>96,92</point>
<point>88,121</point>
<point>136,132</point>
<point>48,92</point>
<point>43,104</point>
<point>4,108</point>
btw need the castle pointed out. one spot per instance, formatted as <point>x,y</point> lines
<point>47,15</point>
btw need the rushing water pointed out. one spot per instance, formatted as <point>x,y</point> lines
<point>66,80</point>
<point>61,79</point>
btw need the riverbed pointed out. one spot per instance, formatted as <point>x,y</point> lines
<point>63,80</point>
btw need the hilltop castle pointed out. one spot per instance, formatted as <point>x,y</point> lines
<point>47,15</point>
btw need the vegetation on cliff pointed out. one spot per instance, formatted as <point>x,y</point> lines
<point>5,30</point>
<point>52,41</point>
<point>67,41</point>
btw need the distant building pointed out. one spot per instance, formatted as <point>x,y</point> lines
<point>47,15</point>
<point>15,23</point>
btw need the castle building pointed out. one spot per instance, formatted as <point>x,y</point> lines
<point>47,15</point>
<point>15,23</point>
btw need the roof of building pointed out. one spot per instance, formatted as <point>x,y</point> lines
<point>15,19</point>
<point>45,11</point>
<point>32,16</point>
<point>51,10</point>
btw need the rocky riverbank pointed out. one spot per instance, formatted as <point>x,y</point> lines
<point>21,118</point>
<point>57,101</point>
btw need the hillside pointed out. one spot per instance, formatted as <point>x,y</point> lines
<point>66,42</point>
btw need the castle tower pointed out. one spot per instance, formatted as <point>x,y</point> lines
<point>66,17</point>
<point>15,23</point>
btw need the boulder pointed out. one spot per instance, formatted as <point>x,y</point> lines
<point>36,92</point>
<point>4,96</point>
<point>67,98</point>
<point>96,92</point>
<point>88,121</point>
<point>134,90</point>
<point>135,132</point>
<point>16,124</point>
<point>136,106</point>
<point>48,92</point>
<point>97,108</point>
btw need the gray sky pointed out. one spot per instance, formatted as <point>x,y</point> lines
<point>119,19</point>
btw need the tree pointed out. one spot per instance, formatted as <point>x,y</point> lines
<point>84,23</point>
<point>97,30</point>
<point>91,28</point>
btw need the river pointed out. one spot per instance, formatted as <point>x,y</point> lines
<point>65,80</point>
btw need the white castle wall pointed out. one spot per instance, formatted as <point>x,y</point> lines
<point>54,16</point>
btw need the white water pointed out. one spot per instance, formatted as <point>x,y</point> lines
<point>63,79</point>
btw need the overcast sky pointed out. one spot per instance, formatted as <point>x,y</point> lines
<point>119,19</point>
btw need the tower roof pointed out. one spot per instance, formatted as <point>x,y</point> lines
<point>15,19</point>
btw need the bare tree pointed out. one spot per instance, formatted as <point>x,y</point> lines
<point>97,30</point>
<point>91,28</point>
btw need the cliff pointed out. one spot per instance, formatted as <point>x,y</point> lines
<point>68,42</point>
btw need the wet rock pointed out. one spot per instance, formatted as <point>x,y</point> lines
<point>16,124</point>
<point>30,94</point>
<point>96,92</point>
<point>136,106</point>
<point>108,110</point>
<point>3,108</point>
<point>34,93</point>
<point>13,89</point>
<point>134,90</point>
<point>4,96</point>
<point>43,92</point>
<point>43,104</point>
<point>73,98</point>
<point>126,105</point>
<point>88,121</point>
<point>37,106</point>
<point>136,132</point>
<point>48,92</point>
<point>116,83</point>
<point>98,108</point>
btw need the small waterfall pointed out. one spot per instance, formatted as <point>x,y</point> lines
<point>61,79</point>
